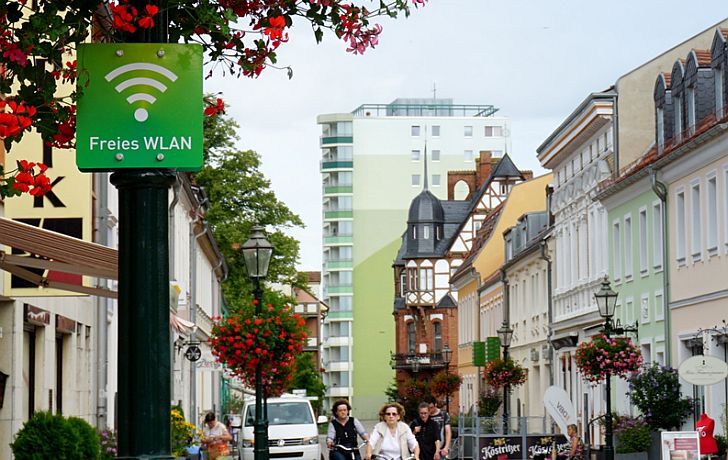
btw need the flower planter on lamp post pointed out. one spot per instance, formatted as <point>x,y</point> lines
<point>505,334</point>
<point>257,252</point>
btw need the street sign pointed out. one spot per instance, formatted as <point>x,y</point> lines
<point>703,370</point>
<point>193,353</point>
<point>139,106</point>
<point>478,353</point>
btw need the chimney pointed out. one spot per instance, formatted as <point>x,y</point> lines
<point>485,167</point>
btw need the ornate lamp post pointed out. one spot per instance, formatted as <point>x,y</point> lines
<point>505,333</point>
<point>446,356</point>
<point>606,302</point>
<point>257,252</point>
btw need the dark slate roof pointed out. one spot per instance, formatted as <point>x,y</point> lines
<point>447,302</point>
<point>506,168</point>
<point>425,207</point>
<point>399,304</point>
<point>454,213</point>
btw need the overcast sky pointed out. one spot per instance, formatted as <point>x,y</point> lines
<point>535,60</point>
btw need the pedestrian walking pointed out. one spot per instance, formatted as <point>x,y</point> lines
<point>343,431</point>
<point>391,437</point>
<point>216,438</point>
<point>427,433</point>
<point>576,446</point>
<point>442,419</point>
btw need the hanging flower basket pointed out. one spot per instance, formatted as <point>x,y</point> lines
<point>273,338</point>
<point>445,384</point>
<point>500,372</point>
<point>602,356</point>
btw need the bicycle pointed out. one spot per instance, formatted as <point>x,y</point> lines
<point>384,457</point>
<point>454,451</point>
<point>350,450</point>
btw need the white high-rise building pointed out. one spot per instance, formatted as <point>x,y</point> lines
<point>372,167</point>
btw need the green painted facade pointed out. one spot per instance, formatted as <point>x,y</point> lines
<point>635,213</point>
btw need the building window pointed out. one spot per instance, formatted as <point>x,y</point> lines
<point>414,233</point>
<point>680,233</point>
<point>415,155</point>
<point>696,243</point>
<point>718,79</point>
<point>659,306</point>
<point>493,131</point>
<point>660,128</point>
<point>435,155</point>
<point>402,283</point>
<point>628,263</point>
<point>415,130</point>
<point>468,155</point>
<point>468,131</point>
<point>712,215</point>
<point>435,180</point>
<point>643,242</point>
<point>690,109</point>
<point>411,337</point>
<point>427,279</point>
<point>657,236</point>
<point>436,131</point>
<point>677,107</point>
<point>617,251</point>
<point>415,180</point>
<point>426,232</point>
<point>437,337</point>
<point>412,281</point>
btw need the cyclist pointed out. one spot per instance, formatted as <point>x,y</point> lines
<point>391,438</point>
<point>343,431</point>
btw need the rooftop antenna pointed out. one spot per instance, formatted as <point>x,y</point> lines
<point>434,91</point>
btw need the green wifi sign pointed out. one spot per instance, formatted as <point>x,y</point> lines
<point>140,106</point>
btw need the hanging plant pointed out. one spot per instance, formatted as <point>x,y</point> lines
<point>445,384</point>
<point>272,338</point>
<point>500,372</point>
<point>601,356</point>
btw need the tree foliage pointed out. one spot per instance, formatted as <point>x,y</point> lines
<point>240,197</point>
<point>656,393</point>
<point>307,376</point>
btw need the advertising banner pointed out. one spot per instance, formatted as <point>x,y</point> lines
<point>680,445</point>
<point>559,406</point>
<point>511,447</point>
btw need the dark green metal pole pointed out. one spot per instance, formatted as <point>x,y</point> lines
<point>260,429</point>
<point>144,354</point>
<point>608,431</point>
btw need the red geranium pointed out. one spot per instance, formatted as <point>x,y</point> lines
<point>272,338</point>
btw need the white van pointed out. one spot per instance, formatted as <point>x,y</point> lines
<point>292,429</point>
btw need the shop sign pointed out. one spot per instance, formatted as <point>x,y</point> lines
<point>510,447</point>
<point>193,353</point>
<point>139,106</point>
<point>679,445</point>
<point>37,316</point>
<point>703,370</point>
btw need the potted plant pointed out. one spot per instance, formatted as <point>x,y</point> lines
<point>500,372</point>
<point>46,435</point>
<point>633,438</point>
<point>183,433</point>
<point>604,356</point>
<point>107,438</point>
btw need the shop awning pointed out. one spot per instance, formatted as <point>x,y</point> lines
<point>57,252</point>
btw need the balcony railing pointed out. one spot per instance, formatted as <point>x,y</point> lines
<point>414,362</point>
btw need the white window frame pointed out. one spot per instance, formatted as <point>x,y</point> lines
<point>659,307</point>
<point>642,218</point>
<point>628,259</point>
<point>415,130</point>
<point>415,180</point>
<point>657,236</point>
<point>436,156</point>
<point>617,250</point>
<point>468,155</point>
<point>680,227</point>
<point>628,313</point>
<point>468,131</point>
<point>690,107</point>
<point>711,208</point>
<point>426,232</point>
<point>435,130</point>
<point>660,128</point>
<point>415,155</point>
<point>677,118</point>
<point>436,180</point>
<point>696,225</point>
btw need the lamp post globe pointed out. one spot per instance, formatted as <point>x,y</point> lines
<point>257,252</point>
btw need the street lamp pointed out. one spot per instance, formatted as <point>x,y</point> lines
<point>505,334</point>
<point>257,252</point>
<point>606,303</point>
<point>446,356</point>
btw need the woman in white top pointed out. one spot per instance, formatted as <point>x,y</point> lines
<point>392,438</point>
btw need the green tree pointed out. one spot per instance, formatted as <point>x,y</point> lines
<point>655,391</point>
<point>307,376</point>
<point>239,197</point>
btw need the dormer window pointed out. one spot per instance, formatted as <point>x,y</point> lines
<point>414,233</point>
<point>690,108</point>
<point>660,129</point>
<point>438,236</point>
<point>718,78</point>
<point>677,106</point>
<point>426,232</point>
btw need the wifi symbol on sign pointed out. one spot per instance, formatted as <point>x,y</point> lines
<point>141,114</point>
